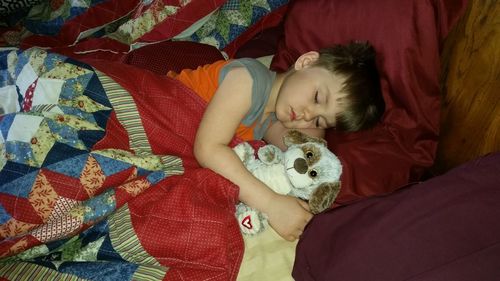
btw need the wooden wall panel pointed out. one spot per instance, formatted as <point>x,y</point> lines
<point>470,119</point>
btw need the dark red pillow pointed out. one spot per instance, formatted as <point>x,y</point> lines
<point>446,228</point>
<point>407,35</point>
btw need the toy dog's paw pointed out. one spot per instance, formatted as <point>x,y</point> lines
<point>270,154</point>
<point>245,152</point>
<point>250,220</point>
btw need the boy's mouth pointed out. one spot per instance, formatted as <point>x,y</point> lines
<point>292,115</point>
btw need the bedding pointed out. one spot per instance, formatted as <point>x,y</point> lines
<point>109,29</point>
<point>98,177</point>
<point>104,29</point>
<point>143,207</point>
<point>236,22</point>
<point>131,23</point>
<point>445,228</point>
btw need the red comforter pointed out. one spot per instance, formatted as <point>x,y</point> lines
<point>188,223</point>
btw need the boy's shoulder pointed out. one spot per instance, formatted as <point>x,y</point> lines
<point>249,66</point>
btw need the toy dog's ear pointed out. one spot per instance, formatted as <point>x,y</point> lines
<point>297,137</point>
<point>322,198</point>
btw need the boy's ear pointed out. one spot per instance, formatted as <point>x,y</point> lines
<point>306,60</point>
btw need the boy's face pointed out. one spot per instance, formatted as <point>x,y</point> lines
<point>309,98</point>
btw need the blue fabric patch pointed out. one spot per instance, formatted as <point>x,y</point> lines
<point>5,123</point>
<point>276,3</point>
<point>94,233</point>
<point>69,135</point>
<point>20,151</point>
<point>60,152</point>
<point>102,117</point>
<point>4,216</point>
<point>101,271</point>
<point>234,31</point>
<point>70,167</point>
<point>68,92</point>
<point>46,27</point>
<point>258,12</point>
<point>111,166</point>
<point>95,91</point>
<point>3,58</point>
<point>77,112</point>
<point>142,172</point>
<point>22,60</point>
<point>89,138</point>
<point>17,174</point>
<point>107,251</point>
<point>100,206</point>
<point>52,59</point>
<point>20,186</point>
<point>155,177</point>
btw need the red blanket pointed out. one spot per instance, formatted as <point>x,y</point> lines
<point>188,224</point>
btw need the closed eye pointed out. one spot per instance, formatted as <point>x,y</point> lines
<point>316,97</point>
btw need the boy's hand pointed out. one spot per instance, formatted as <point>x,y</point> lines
<point>288,216</point>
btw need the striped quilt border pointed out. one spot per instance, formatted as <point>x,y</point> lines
<point>127,244</point>
<point>128,115</point>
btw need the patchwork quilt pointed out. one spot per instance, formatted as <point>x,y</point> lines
<point>98,179</point>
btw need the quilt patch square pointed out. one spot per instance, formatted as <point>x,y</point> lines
<point>24,127</point>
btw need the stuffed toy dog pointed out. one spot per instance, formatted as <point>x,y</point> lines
<point>307,170</point>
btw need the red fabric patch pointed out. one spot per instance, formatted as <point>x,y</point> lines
<point>116,136</point>
<point>62,182</point>
<point>173,55</point>
<point>20,208</point>
<point>28,96</point>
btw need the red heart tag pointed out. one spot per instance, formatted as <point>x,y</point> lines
<point>247,222</point>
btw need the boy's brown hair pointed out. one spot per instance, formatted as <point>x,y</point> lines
<point>363,101</point>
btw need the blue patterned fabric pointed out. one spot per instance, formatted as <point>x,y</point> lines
<point>232,19</point>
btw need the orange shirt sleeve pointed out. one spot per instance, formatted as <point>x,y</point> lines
<point>204,80</point>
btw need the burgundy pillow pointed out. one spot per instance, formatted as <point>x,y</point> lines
<point>446,228</point>
<point>407,35</point>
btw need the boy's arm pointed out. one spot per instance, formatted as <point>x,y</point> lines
<point>287,215</point>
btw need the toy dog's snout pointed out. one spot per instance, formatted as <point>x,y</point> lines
<point>300,165</point>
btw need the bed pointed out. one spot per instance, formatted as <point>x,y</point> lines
<point>98,180</point>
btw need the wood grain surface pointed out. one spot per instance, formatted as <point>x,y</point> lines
<point>470,118</point>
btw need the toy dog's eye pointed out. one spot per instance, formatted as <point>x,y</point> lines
<point>309,155</point>
<point>313,173</point>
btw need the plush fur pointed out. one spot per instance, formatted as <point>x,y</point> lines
<point>307,169</point>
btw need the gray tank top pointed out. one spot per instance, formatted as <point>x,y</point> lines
<point>261,89</point>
